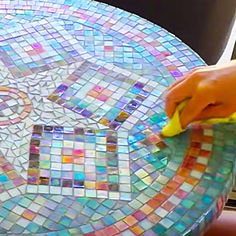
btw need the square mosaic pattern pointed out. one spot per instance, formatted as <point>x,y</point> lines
<point>37,47</point>
<point>106,94</point>
<point>80,162</point>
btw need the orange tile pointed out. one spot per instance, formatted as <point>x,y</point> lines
<point>33,172</point>
<point>130,220</point>
<point>122,116</point>
<point>92,93</point>
<point>167,191</point>
<point>146,209</point>
<point>28,108</point>
<point>6,89</point>
<point>153,203</point>
<point>173,184</point>
<point>207,139</point>
<point>171,67</point>
<point>20,94</point>
<point>104,121</point>
<point>108,25</point>
<point>12,174</point>
<point>111,147</point>
<point>179,179</point>
<point>101,186</point>
<point>196,137</point>
<point>183,172</point>
<point>193,152</point>
<point>191,180</point>
<point>44,180</point>
<point>200,167</point>
<point>137,230</point>
<point>160,197</point>
<point>29,215</point>
<point>67,159</point>
<point>204,153</point>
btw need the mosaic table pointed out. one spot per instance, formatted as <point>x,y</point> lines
<point>81,110</point>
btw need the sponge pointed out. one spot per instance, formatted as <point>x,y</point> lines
<point>174,126</point>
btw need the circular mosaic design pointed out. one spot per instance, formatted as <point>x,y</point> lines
<point>90,160</point>
<point>14,106</point>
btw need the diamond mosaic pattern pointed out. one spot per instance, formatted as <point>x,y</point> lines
<point>81,111</point>
<point>109,97</point>
<point>37,47</point>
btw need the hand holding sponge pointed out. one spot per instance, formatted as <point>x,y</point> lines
<point>174,126</point>
<point>204,95</point>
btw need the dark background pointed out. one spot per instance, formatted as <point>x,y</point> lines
<point>202,24</point>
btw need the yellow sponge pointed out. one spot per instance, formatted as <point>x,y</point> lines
<point>174,126</point>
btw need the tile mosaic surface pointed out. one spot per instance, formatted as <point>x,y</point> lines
<point>14,104</point>
<point>81,98</point>
<point>36,47</point>
<point>80,162</point>
<point>110,97</point>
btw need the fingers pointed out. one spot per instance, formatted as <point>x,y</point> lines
<point>180,92</point>
<point>214,111</point>
<point>194,107</point>
<point>186,76</point>
<point>176,83</point>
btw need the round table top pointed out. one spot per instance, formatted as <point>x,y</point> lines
<point>80,115</point>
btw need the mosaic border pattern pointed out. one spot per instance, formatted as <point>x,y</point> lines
<point>14,94</point>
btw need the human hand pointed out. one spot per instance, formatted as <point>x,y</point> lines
<point>211,91</point>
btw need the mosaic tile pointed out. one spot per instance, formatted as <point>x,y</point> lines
<point>37,47</point>
<point>15,106</point>
<point>177,185</point>
<point>11,183</point>
<point>112,50</point>
<point>79,162</point>
<point>107,96</point>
